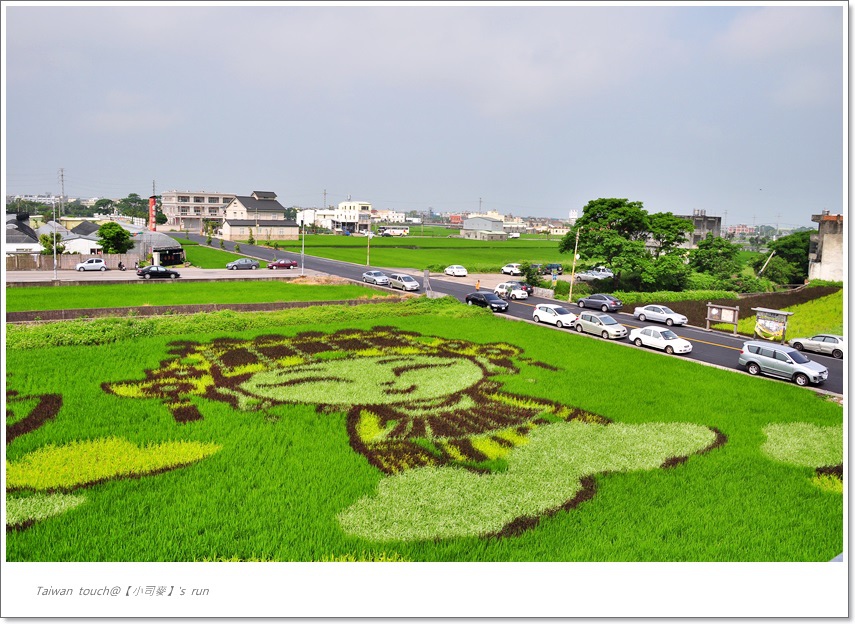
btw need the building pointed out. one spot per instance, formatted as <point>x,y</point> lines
<point>188,211</point>
<point>260,215</point>
<point>703,224</point>
<point>742,230</point>
<point>826,255</point>
<point>388,216</point>
<point>483,228</point>
<point>348,217</point>
<point>20,236</point>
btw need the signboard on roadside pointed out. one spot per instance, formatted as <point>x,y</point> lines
<point>771,324</point>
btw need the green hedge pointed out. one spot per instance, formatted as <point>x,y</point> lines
<point>668,296</point>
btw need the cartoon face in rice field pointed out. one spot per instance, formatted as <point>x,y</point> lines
<point>469,458</point>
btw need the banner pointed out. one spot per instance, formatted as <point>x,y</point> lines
<point>770,325</point>
<point>152,213</point>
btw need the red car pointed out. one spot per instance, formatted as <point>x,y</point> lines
<point>282,264</point>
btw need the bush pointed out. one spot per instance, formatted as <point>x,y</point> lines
<point>562,288</point>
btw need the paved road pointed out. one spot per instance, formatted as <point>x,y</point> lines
<point>709,347</point>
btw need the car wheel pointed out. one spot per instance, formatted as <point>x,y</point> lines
<point>173,276</point>
<point>559,324</point>
<point>604,308</point>
<point>605,335</point>
<point>274,267</point>
<point>80,269</point>
<point>669,322</point>
<point>753,368</point>
<point>580,303</point>
<point>148,275</point>
<point>798,346</point>
<point>837,354</point>
<point>254,267</point>
<point>103,269</point>
<point>638,342</point>
<point>231,268</point>
<point>641,318</point>
<point>669,350</point>
<point>579,328</point>
<point>537,319</point>
<point>801,379</point>
<point>469,303</point>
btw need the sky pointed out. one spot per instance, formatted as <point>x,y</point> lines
<point>737,109</point>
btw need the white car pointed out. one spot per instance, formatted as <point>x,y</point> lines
<point>511,290</point>
<point>829,344</point>
<point>93,264</point>
<point>659,313</point>
<point>658,338</point>
<point>375,277</point>
<point>403,281</point>
<point>455,270</point>
<point>512,269</point>
<point>553,313</point>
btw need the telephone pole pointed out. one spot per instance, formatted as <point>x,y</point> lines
<point>62,193</point>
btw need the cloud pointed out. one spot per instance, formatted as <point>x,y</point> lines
<point>127,113</point>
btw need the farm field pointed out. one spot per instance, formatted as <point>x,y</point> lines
<point>168,292</point>
<point>421,431</point>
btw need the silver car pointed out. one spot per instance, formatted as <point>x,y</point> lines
<point>93,264</point>
<point>781,361</point>
<point>375,277</point>
<point>660,314</point>
<point>403,281</point>
<point>600,325</point>
<point>243,263</point>
<point>829,344</point>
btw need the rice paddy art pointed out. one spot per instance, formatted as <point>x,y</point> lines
<point>462,456</point>
<point>810,446</point>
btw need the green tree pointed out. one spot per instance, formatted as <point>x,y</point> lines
<point>104,206</point>
<point>795,249</point>
<point>237,247</point>
<point>716,256</point>
<point>133,206</point>
<point>530,274</point>
<point>46,241</point>
<point>114,239</point>
<point>778,269</point>
<point>667,272</point>
<point>251,239</point>
<point>668,231</point>
<point>222,244</point>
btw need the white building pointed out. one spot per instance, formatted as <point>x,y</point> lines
<point>826,257</point>
<point>260,215</point>
<point>350,215</point>
<point>389,216</point>
<point>185,210</point>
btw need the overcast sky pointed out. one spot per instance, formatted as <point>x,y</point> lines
<point>526,110</point>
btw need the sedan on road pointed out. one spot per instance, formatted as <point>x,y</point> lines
<point>553,313</point>
<point>829,344</point>
<point>375,277</point>
<point>455,270</point>
<point>157,272</point>
<point>663,339</point>
<point>487,300</point>
<point>600,325</point>
<point>660,314</point>
<point>282,264</point>
<point>510,290</point>
<point>243,263</point>
<point>606,303</point>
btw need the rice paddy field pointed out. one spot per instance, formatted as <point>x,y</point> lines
<point>423,431</point>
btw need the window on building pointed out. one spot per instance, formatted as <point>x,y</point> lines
<point>212,211</point>
<point>197,211</point>
<point>198,200</point>
<point>226,200</point>
<point>213,200</point>
<point>183,198</point>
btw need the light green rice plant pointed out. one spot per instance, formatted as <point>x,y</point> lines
<point>24,509</point>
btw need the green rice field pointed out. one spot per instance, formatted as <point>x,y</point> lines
<point>416,431</point>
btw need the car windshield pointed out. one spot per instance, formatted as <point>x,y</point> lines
<point>668,310</point>
<point>607,320</point>
<point>407,278</point>
<point>797,357</point>
<point>669,335</point>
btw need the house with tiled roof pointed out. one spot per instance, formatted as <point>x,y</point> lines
<point>260,215</point>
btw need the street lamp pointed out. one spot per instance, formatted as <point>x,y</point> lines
<point>573,270</point>
<point>54,241</point>
<point>303,246</point>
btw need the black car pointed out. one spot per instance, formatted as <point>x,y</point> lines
<point>547,269</point>
<point>606,303</point>
<point>150,272</point>
<point>487,300</point>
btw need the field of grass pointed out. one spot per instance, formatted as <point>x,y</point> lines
<point>423,431</point>
<point>168,292</point>
<point>823,315</point>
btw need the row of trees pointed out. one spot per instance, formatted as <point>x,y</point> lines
<point>644,251</point>
<point>131,206</point>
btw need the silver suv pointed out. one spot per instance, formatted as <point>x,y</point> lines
<point>781,361</point>
<point>403,281</point>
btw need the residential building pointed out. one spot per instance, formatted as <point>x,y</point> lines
<point>20,236</point>
<point>185,210</point>
<point>826,258</point>
<point>350,216</point>
<point>259,214</point>
<point>483,228</point>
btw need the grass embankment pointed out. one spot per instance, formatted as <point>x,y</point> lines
<point>287,481</point>
<point>168,293</point>
<point>822,315</point>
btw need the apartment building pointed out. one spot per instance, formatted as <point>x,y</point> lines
<point>185,210</point>
<point>350,216</point>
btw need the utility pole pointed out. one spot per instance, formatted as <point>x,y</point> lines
<point>324,206</point>
<point>573,270</point>
<point>62,195</point>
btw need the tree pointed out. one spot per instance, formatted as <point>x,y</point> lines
<point>113,238</point>
<point>530,274</point>
<point>668,231</point>
<point>716,256</point>
<point>46,241</point>
<point>104,205</point>
<point>612,232</point>
<point>795,249</point>
<point>251,239</point>
<point>668,272</point>
<point>133,206</point>
<point>778,269</point>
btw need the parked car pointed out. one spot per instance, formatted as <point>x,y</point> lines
<point>511,290</point>
<point>600,325</point>
<point>93,264</point>
<point>455,270</point>
<point>243,263</point>
<point>547,269</point>
<point>829,344</point>
<point>282,264</point>
<point>553,313</point>
<point>596,273</point>
<point>150,272</point>
<point>658,338</point>
<point>403,281</point>
<point>375,277</point>
<point>487,300</point>
<point>781,361</point>
<point>606,303</point>
<point>524,285</point>
<point>512,269</point>
<point>659,313</point>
